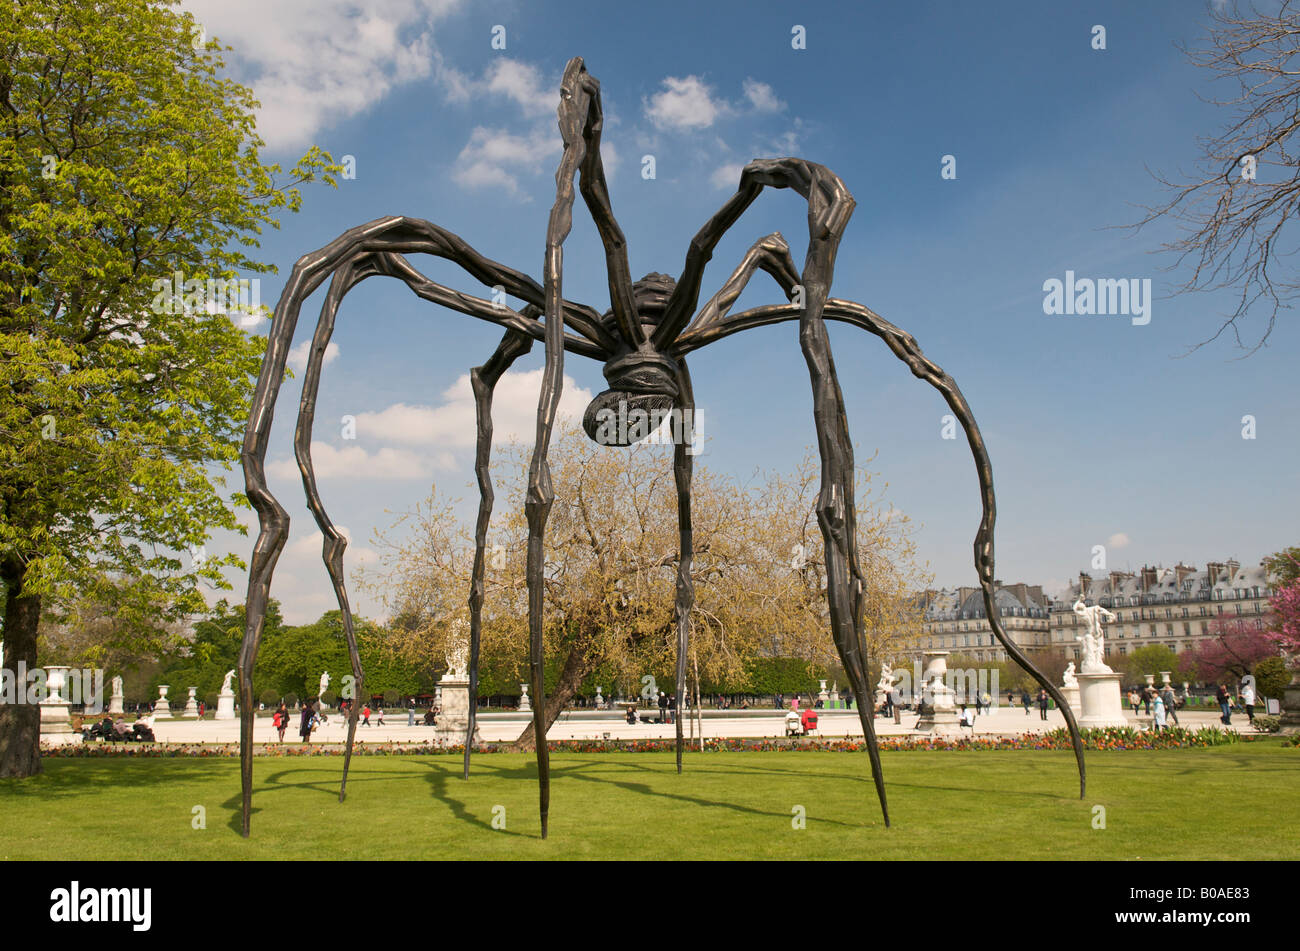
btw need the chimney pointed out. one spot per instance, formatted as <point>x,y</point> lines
<point>1149,577</point>
<point>1085,581</point>
<point>1181,571</point>
<point>1233,566</point>
<point>1213,571</point>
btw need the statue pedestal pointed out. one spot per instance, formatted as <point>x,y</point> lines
<point>938,700</point>
<point>192,704</point>
<point>225,706</point>
<point>116,704</point>
<point>1099,701</point>
<point>1071,694</point>
<point>56,725</point>
<point>454,719</point>
<point>161,709</point>
<point>939,710</point>
<point>56,715</point>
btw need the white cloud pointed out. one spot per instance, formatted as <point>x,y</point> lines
<point>494,158</point>
<point>1118,540</point>
<point>314,62</point>
<point>309,546</point>
<point>354,462</point>
<point>727,176</point>
<point>302,583</point>
<point>761,96</point>
<point>685,103</point>
<point>452,422</point>
<point>522,84</point>
<point>434,433</point>
<point>298,355</point>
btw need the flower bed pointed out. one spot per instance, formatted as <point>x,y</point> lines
<point>1116,738</point>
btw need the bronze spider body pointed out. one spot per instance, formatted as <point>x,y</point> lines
<point>642,341</point>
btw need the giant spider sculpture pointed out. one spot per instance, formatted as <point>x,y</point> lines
<point>643,342</point>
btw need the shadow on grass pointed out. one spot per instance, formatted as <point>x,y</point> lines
<point>581,770</point>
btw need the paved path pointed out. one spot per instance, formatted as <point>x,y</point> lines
<point>586,725</point>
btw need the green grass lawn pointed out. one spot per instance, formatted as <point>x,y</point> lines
<point>1221,803</point>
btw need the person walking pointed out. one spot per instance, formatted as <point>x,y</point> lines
<point>1042,703</point>
<point>1024,700</point>
<point>1248,701</point>
<point>1134,700</point>
<point>410,712</point>
<point>282,719</point>
<point>1160,714</point>
<point>663,707</point>
<point>1171,703</point>
<point>304,728</point>
<point>1224,699</point>
<point>365,715</point>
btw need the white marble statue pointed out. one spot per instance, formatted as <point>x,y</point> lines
<point>1094,639</point>
<point>887,679</point>
<point>324,684</point>
<point>117,687</point>
<point>458,660</point>
<point>1068,679</point>
<point>225,684</point>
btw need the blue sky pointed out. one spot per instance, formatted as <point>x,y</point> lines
<point>1100,432</point>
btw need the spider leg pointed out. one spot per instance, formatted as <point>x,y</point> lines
<point>770,254</point>
<point>829,208</point>
<point>484,380</point>
<point>845,586</point>
<point>591,183</point>
<point>351,273</point>
<point>575,100</point>
<point>904,346</point>
<point>393,235</point>
<point>683,460</point>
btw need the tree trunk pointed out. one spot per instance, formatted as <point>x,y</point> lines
<point>576,668</point>
<point>20,723</point>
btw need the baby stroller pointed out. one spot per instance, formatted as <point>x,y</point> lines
<point>800,724</point>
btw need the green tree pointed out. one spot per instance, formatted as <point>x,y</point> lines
<point>1284,566</point>
<point>125,159</point>
<point>1151,660</point>
<point>1272,677</point>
